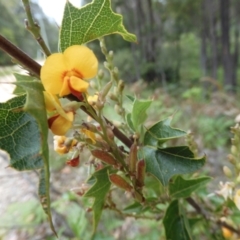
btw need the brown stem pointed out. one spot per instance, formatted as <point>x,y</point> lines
<point>34,68</point>
<point>205,215</point>
<point>21,57</point>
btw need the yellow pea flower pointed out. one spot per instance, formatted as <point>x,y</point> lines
<point>65,73</point>
<point>62,144</point>
<point>61,121</point>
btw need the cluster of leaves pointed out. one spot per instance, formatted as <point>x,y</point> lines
<point>24,133</point>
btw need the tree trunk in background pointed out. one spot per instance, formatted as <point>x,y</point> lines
<point>227,59</point>
<point>235,57</point>
<point>151,40</point>
<point>203,35</point>
<point>211,11</point>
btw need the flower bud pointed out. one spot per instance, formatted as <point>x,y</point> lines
<point>133,157</point>
<point>120,182</point>
<point>110,55</point>
<point>100,74</point>
<point>141,168</point>
<point>104,92</point>
<point>110,133</point>
<point>106,65</point>
<point>227,172</point>
<point>234,150</point>
<point>104,156</point>
<point>118,109</point>
<point>231,159</point>
<point>113,97</point>
<point>92,84</point>
<point>115,73</point>
<point>121,86</point>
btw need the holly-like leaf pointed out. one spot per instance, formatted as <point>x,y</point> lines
<point>19,135</point>
<point>162,132</point>
<point>139,114</point>
<point>182,188</point>
<point>175,223</point>
<point>164,163</point>
<point>98,191</point>
<point>92,21</point>
<point>35,106</point>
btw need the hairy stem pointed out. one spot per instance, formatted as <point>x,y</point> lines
<point>34,28</point>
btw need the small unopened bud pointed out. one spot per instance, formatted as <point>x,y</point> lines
<point>118,109</point>
<point>103,47</point>
<point>92,84</point>
<point>106,65</point>
<point>104,156</point>
<point>133,157</point>
<point>141,168</point>
<point>234,150</point>
<point>115,73</point>
<point>110,55</point>
<point>120,182</point>
<point>104,92</point>
<point>231,159</point>
<point>113,97</point>
<point>227,171</point>
<point>121,86</point>
<point>110,133</point>
<point>100,74</point>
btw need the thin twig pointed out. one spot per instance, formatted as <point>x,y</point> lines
<point>34,28</point>
<point>22,58</point>
<point>206,217</point>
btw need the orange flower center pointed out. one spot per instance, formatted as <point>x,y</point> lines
<point>72,72</point>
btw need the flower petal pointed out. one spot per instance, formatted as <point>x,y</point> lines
<point>78,84</point>
<point>82,60</point>
<point>52,73</point>
<point>65,87</point>
<point>51,101</point>
<point>61,125</point>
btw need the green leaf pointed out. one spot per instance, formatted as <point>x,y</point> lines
<point>19,77</point>
<point>162,132</point>
<point>182,188</point>
<point>99,191</point>
<point>92,21</point>
<point>164,163</point>
<point>129,121</point>
<point>139,112</point>
<point>175,223</point>
<point>19,135</point>
<point>35,106</point>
